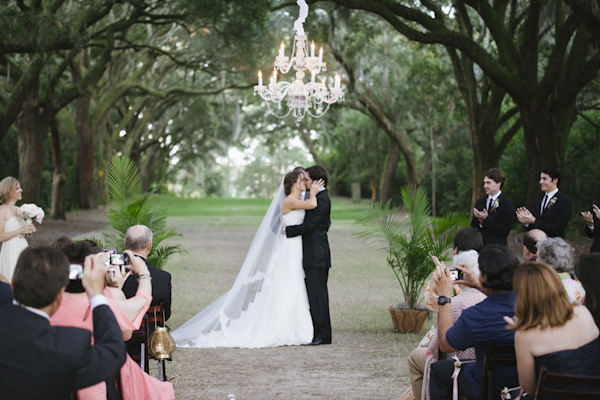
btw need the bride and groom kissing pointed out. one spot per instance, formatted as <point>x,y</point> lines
<point>280,295</point>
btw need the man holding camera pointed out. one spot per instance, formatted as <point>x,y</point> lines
<point>138,239</point>
<point>42,361</point>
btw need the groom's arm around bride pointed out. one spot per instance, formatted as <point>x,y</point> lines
<point>316,256</point>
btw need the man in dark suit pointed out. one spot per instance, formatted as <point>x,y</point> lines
<point>6,296</point>
<point>138,239</point>
<point>551,212</point>
<point>592,220</point>
<point>316,257</point>
<point>39,361</point>
<point>493,214</point>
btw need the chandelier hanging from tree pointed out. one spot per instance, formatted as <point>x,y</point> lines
<point>301,97</point>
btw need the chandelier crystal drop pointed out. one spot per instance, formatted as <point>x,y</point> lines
<point>301,97</point>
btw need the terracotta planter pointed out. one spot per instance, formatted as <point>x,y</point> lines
<point>408,321</point>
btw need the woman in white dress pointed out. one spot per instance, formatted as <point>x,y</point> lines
<point>12,226</point>
<point>267,305</point>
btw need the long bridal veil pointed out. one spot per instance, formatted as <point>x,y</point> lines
<point>212,326</point>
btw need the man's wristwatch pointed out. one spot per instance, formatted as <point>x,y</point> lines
<point>443,300</point>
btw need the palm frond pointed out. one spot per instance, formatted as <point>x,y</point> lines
<point>124,183</point>
<point>128,206</point>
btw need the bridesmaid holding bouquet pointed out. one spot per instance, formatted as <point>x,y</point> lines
<point>12,226</point>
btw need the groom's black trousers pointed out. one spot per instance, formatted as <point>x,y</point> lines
<point>318,299</point>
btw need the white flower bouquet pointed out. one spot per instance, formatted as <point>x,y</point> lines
<point>32,212</point>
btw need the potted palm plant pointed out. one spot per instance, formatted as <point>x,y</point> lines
<point>129,206</point>
<point>411,239</point>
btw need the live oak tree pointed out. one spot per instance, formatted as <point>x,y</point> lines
<point>539,52</point>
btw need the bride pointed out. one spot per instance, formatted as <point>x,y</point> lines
<point>267,305</point>
<point>12,226</point>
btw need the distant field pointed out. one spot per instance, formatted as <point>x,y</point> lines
<point>341,208</point>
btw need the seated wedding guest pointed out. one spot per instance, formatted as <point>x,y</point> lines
<point>138,239</point>
<point>588,272</point>
<point>592,221</point>
<point>420,360</point>
<point>136,384</point>
<point>557,253</point>
<point>549,331</point>
<point>60,242</point>
<point>40,361</point>
<point>530,242</point>
<point>478,324</point>
<point>466,239</point>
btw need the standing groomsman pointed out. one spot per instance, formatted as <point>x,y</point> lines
<point>592,220</point>
<point>551,212</point>
<point>493,214</point>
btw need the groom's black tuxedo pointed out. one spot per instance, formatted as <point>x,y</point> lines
<point>39,361</point>
<point>315,244</point>
<point>496,227</point>
<point>594,233</point>
<point>556,215</point>
<point>316,259</point>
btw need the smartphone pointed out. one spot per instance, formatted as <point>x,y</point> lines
<point>456,274</point>
<point>75,272</point>
<point>118,259</point>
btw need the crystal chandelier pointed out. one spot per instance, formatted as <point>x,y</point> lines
<point>301,97</point>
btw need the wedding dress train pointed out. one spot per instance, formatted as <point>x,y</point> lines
<point>267,305</point>
<point>11,249</point>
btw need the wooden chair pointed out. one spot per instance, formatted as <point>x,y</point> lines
<point>142,334</point>
<point>495,356</point>
<point>589,386</point>
<point>155,316</point>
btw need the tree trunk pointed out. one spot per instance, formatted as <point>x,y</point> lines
<point>390,172</point>
<point>147,172</point>
<point>546,135</point>
<point>84,167</point>
<point>355,185</point>
<point>59,178</point>
<point>31,131</point>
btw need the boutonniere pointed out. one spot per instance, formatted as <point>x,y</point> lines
<point>495,205</point>
<point>551,202</point>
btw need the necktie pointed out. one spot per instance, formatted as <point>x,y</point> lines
<point>489,204</point>
<point>544,204</point>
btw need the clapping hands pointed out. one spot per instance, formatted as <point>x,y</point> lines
<point>589,218</point>
<point>480,215</point>
<point>525,216</point>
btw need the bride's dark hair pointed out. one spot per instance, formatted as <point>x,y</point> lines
<point>290,179</point>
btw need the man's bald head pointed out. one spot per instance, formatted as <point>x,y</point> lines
<point>530,241</point>
<point>138,239</point>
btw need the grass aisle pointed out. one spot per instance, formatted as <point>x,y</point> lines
<point>366,360</point>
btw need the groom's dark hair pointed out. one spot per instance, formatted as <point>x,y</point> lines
<point>317,172</point>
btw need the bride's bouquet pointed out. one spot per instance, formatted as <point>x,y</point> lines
<point>32,212</point>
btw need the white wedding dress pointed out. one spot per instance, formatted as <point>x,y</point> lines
<point>267,305</point>
<point>11,249</point>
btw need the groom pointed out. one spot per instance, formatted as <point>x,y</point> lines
<point>316,257</point>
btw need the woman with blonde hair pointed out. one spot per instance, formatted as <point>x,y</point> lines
<point>12,226</point>
<point>550,332</point>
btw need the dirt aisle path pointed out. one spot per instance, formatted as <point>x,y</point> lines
<point>365,361</point>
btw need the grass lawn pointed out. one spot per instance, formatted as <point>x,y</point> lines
<point>367,360</point>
